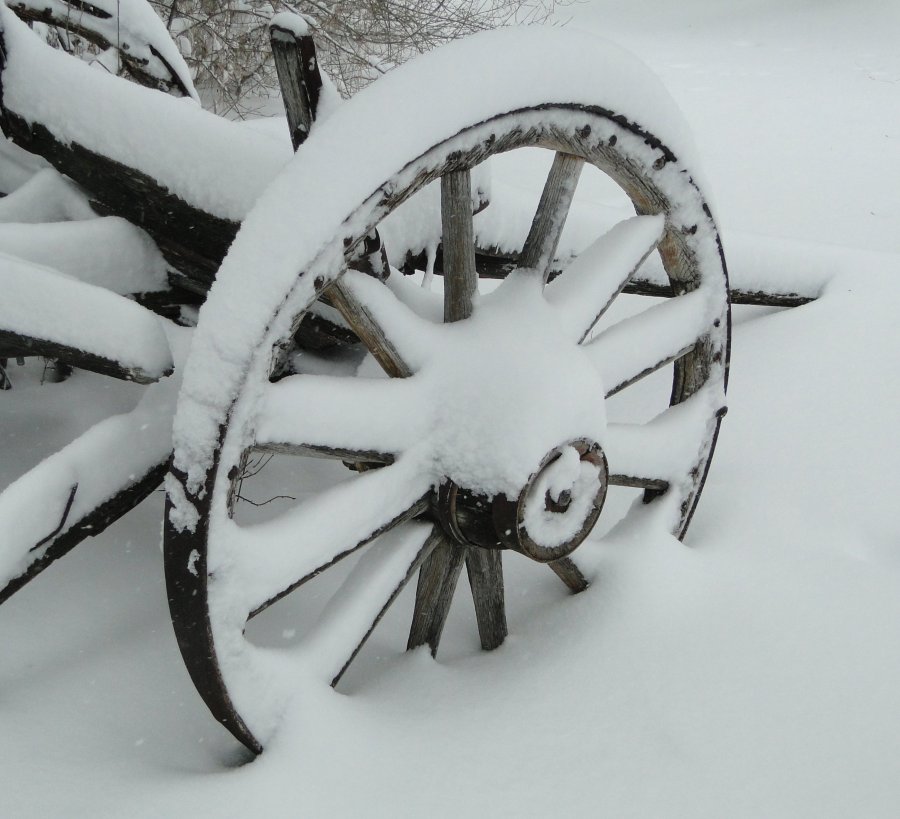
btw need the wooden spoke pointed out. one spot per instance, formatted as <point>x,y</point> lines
<point>550,217</point>
<point>437,583</point>
<point>369,331</point>
<point>485,570</point>
<point>353,419</point>
<point>642,344</point>
<point>567,570</point>
<point>367,593</point>
<point>458,238</point>
<point>664,450</point>
<point>394,333</point>
<point>591,283</point>
<point>275,557</point>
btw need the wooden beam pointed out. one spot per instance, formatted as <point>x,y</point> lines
<point>91,23</point>
<point>91,524</point>
<point>14,345</point>
<point>492,264</point>
<point>298,75</point>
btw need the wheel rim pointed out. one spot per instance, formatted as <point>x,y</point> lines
<point>213,589</point>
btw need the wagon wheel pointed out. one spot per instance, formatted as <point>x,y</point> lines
<point>440,484</point>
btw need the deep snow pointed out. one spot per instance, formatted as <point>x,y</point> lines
<point>752,672</point>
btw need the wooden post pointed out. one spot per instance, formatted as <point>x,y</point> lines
<point>458,241</point>
<point>298,73</point>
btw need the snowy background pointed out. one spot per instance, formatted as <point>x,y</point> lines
<point>751,672</point>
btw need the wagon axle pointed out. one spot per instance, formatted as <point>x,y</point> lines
<point>551,516</point>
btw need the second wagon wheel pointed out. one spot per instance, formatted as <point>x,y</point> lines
<point>491,434</point>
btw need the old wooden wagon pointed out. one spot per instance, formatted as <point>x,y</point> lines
<point>499,429</point>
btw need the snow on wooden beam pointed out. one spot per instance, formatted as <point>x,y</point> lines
<point>145,49</point>
<point>48,314</point>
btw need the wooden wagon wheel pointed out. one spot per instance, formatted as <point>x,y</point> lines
<point>439,485</point>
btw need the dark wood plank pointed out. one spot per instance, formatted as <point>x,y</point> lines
<point>298,74</point>
<point>354,456</point>
<point>91,524</point>
<point>657,485</point>
<point>434,593</point>
<point>567,571</point>
<point>492,264</point>
<point>14,345</point>
<point>192,241</point>
<point>485,571</point>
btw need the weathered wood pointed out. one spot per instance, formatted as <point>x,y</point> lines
<point>762,298</point>
<point>458,240</point>
<point>91,524</point>
<point>298,75</point>
<point>485,571</point>
<point>86,21</point>
<point>15,345</point>
<point>368,330</point>
<point>494,264</point>
<point>550,217</point>
<point>296,63</point>
<point>168,303</point>
<point>657,485</point>
<point>566,570</point>
<point>434,593</point>
<point>345,454</point>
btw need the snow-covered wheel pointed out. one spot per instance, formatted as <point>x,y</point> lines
<point>491,435</point>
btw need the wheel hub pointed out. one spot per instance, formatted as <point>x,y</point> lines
<point>552,514</point>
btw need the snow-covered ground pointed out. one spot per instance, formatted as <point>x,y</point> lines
<point>752,672</point>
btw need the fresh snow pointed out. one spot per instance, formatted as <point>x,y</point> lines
<point>115,452</point>
<point>291,22</point>
<point>45,304</point>
<point>46,197</point>
<point>137,27</point>
<point>204,159</point>
<point>107,252</point>
<point>752,672</point>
